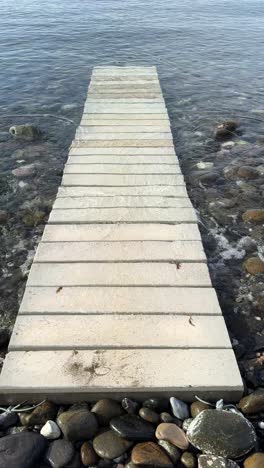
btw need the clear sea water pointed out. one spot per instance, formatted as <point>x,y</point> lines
<point>210,58</point>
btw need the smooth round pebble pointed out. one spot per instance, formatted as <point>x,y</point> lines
<point>149,415</point>
<point>197,407</point>
<point>150,453</point>
<point>189,460</point>
<point>105,410</point>
<point>179,408</point>
<point>109,445</point>
<point>88,455</point>
<point>172,433</point>
<point>255,461</point>
<point>173,452</point>
<point>60,453</point>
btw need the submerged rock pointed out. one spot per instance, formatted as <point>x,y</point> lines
<point>247,172</point>
<point>3,216</point>
<point>33,218</point>
<point>254,265</point>
<point>26,132</point>
<point>253,216</point>
<point>24,171</point>
<point>222,433</point>
<point>225,129</point>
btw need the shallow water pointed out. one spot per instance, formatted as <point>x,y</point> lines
<point>210,58</point>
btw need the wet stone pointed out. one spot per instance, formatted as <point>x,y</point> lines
<point>253,216</point>
<point>24,171</point>
<point>247,172</point>
<point>33,218</point>
<point>105,410</point>
<point>197,407</point>
<point>173,452</point>
<point>156,404</point>
<point>88,455</point>
<point>43,413</point>
<point>209,178</point>
<point>173,434</point>
<point>189,460</point>
<point>253,403</point>
<point>255,461</point>
<point>60,453</point>
<point>3,216</point>
<point>225,129</point>
<point>211,461</point>
<point>179,408</point>
<point>149,415</point>
<point>149,453</point>
<point>109,445</point>
<point>132,427</point>
<point>21,450</point>
<point>222,433</point>
<point>8,419</point>
<point>254,265</point>
<point>77,424</point>
<point>25,132</point>
<point>130,406</point>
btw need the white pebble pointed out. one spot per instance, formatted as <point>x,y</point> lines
<point>50,430</point>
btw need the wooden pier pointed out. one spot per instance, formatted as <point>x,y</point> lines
<point>119,300</point>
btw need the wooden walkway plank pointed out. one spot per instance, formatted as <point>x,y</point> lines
<point>120,232</point>
<point>125,251</point>
<point>127,331</point>
<point>119,274</point>
<point>122,169</point>
<point>133,191</point>
<point>120,180</point>
<point>123,160</point>
<point>136,373</point>
<point>121,202</point>
<point>119,300</point>
<point>123,215</point>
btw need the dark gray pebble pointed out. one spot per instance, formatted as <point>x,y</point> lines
<point>21,450</point>
<point>60,453</point>
<point>132,427</point>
